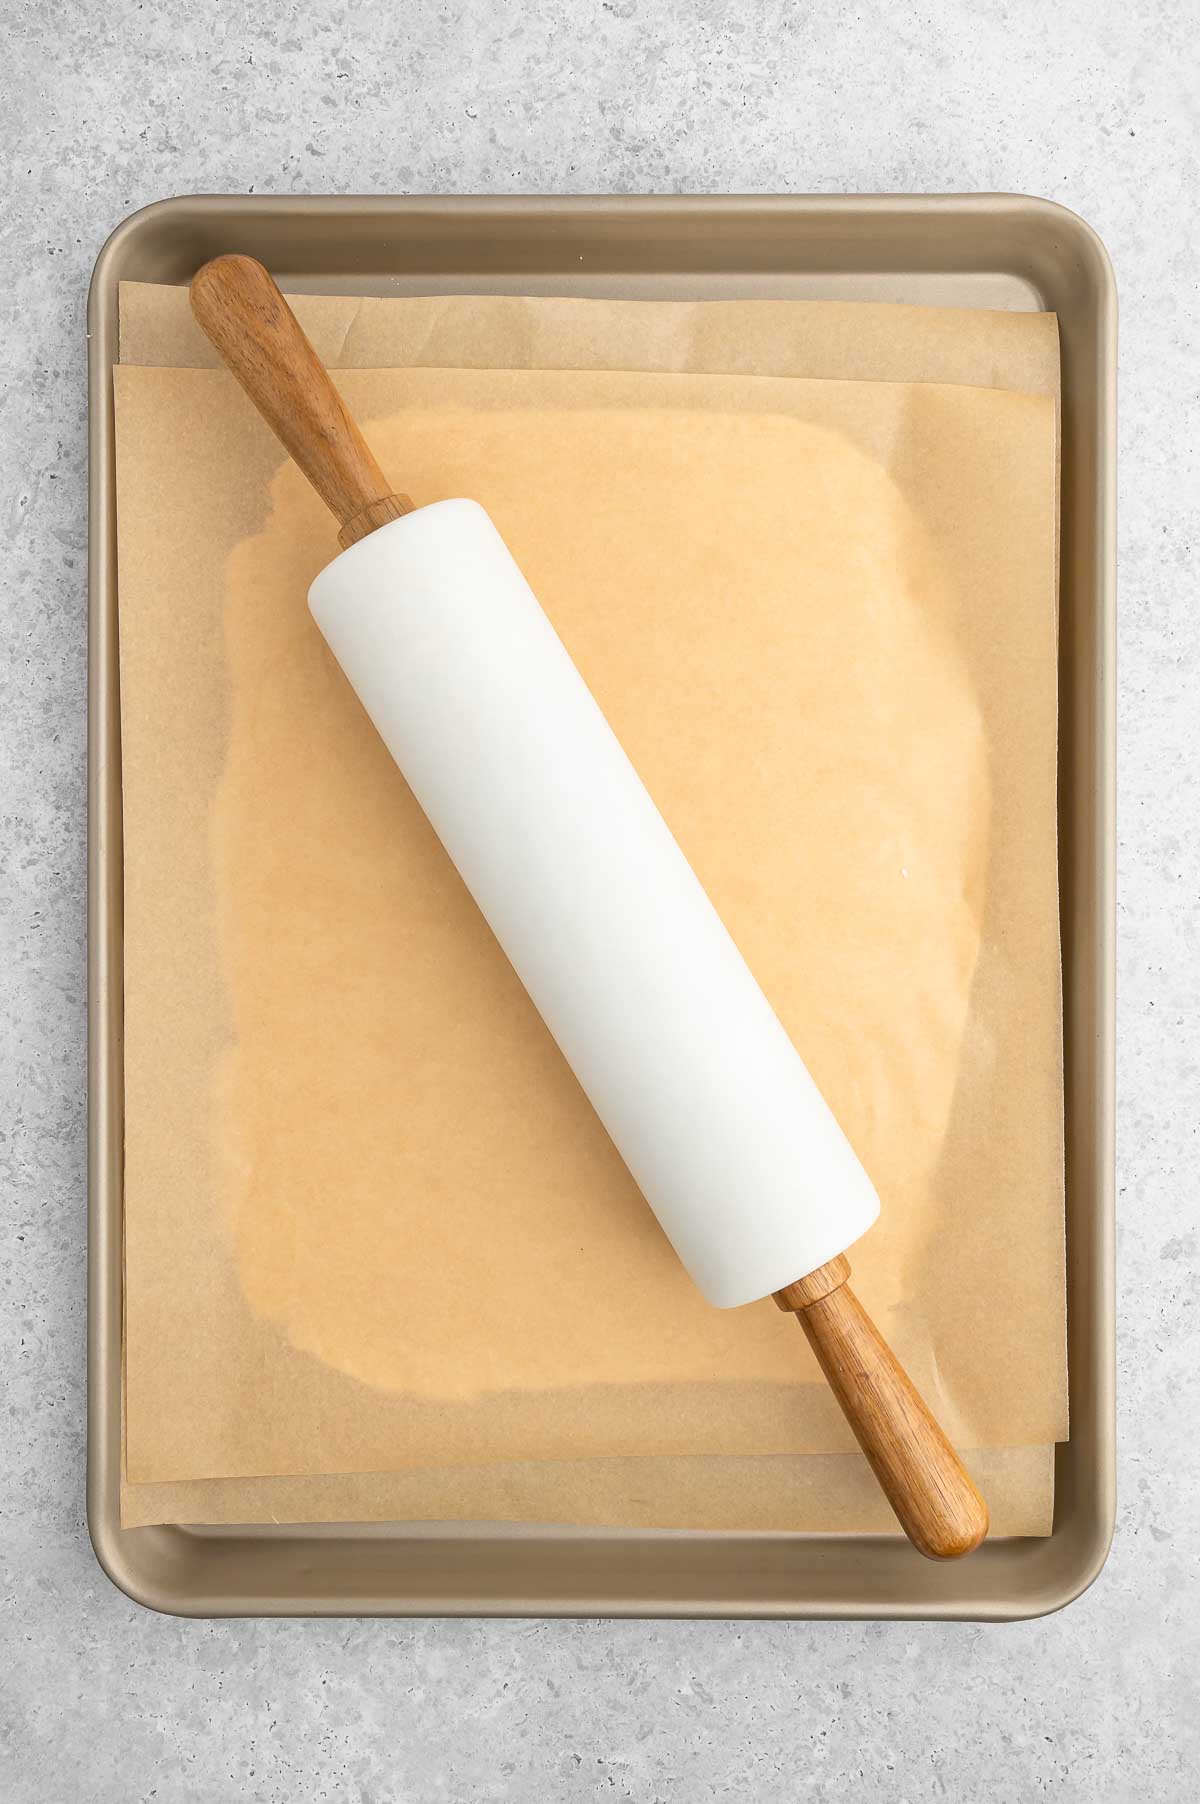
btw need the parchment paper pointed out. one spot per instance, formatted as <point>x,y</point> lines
<point>833,340</point>
<point>808,1493</point>
<point>265,1384</point>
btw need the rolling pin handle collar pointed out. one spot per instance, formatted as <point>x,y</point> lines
<point>375,514</point>
<point>803,1292</point>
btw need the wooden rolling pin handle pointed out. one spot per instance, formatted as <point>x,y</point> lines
<point>258,336</point>
<point>924,1480</point>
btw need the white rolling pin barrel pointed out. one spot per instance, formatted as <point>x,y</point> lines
<point>604,921</point>
<point>594,903</point>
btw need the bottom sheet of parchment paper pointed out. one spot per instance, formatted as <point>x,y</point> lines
<point>276,1140</point>
<point>809,1493</point>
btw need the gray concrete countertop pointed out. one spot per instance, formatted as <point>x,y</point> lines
<point>109,107</point>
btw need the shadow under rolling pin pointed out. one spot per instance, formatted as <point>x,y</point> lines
<point>593,902</point>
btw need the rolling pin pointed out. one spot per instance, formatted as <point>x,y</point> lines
<point>599,912</point>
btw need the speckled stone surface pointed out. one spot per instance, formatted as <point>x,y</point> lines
<point>108,107</point>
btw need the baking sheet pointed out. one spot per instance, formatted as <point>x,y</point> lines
<point>791,1352</point>
<point>980,251</point>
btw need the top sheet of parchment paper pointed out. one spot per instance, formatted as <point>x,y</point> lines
<point>854,341</point>
<point>271,1351</point>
